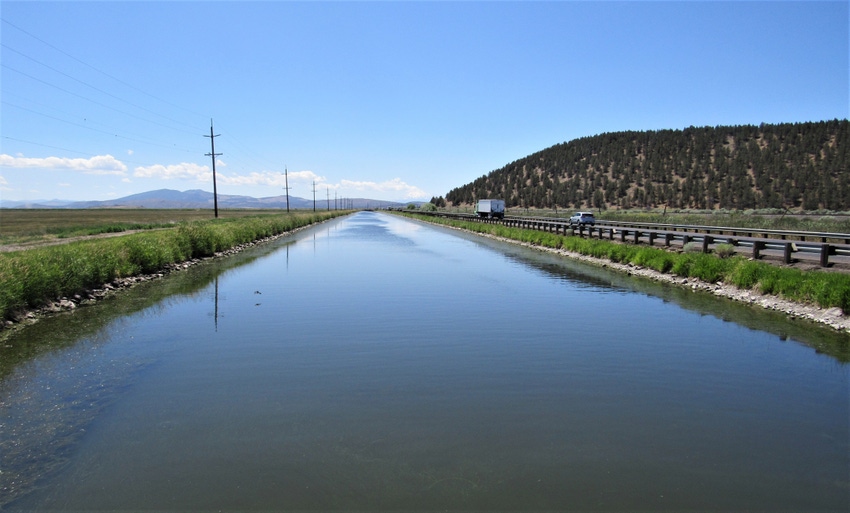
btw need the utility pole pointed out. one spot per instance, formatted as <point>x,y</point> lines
<point>286,178</point>
<point>328,192</point>
<point>212,154</point>
<point>314,195</point>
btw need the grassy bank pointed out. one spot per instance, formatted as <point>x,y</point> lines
<point>41,225</point>
<point>812,287</point>
<point>30,278</point>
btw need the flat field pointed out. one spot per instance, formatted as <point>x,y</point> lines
<point>23,228</point>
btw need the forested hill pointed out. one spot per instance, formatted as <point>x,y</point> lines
<point>795,166</point>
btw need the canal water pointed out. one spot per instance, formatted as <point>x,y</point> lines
<point>378,363</point>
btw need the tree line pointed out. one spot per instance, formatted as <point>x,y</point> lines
<point>800,166</point>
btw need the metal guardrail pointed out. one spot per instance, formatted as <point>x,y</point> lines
<point>844,238</point>
<point>755,241</point>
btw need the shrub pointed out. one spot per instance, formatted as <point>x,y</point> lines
<point>656,259</point>
<point>746,274</point>
<point>692,247</point>
<point>708,268</point>
<point>619,253</point>
<point>724,250</point>
<point>682,265</point>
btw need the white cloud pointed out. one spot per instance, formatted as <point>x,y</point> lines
<point>270,178</point>
<point>391,186</point>
<point>275,179</point>
<point>251,179</point>
<point>182,171</point>
<point>97,165</point>
<point>305,176</point>
<point>191,171</point>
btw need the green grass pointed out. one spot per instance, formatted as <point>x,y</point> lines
<point>39,225</point>
<point>824,289</point>
<point>32,277</point>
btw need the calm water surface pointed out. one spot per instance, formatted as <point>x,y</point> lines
<point>378,363</point>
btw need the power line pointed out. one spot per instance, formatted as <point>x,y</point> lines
<point>172,124</point>
<point>254,157</point>
<point>95,129</point>
<point>89,99</point>
<point>86,153</point>
<point>96,69</point>
<point>100,90</point>
<point>258,159</point>
<point>46,145</point>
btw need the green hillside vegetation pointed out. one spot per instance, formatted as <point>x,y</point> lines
<point>799,166</point>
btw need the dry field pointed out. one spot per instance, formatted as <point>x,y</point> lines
<point>25,228</point>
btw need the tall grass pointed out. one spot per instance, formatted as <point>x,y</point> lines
<point>824,289</point>
<point>30,278</point>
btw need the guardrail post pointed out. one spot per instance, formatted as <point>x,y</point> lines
<point>757,247</point>
<point>706,241</point>
<point>685,240</point>
<point>637,236</point>
<point>789,247</point>
<point>824,255</point>
<point>668,238</point>
<point>623,235</point>
<point>651,237</point>
<point>610,234</point>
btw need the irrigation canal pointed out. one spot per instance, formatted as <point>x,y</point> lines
<point>374,362</point>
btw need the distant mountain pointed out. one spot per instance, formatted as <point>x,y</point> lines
<point>784,166</point>
<point>169,198</point>
<point>54,203</point>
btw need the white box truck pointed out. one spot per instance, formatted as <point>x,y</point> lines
<point>490,208</point>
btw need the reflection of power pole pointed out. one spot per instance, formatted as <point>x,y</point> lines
<point>212,154</point>
<point>286,186</point>
<point>216,303</point>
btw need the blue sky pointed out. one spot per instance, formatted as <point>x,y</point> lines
<point>384,100</point>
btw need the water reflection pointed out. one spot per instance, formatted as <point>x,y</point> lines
<point>580,275</point>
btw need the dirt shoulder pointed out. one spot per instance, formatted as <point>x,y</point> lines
<point>23,246</point>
